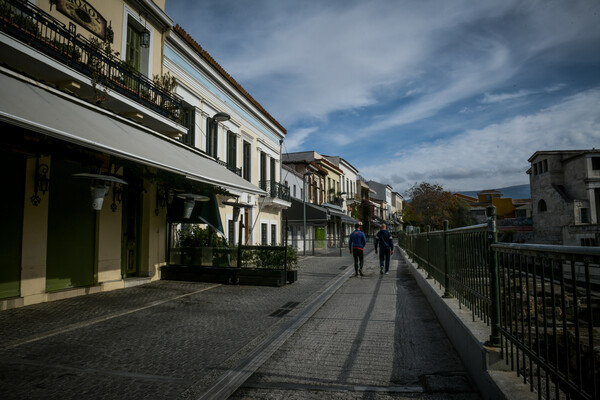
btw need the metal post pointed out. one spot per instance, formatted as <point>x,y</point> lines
<point>428,269</point>
<point>447,293</point>
<point>494,277</point>
<point>304,215</point>
<point>239,249</point>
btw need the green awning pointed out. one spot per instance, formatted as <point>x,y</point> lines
<point>205,212</point>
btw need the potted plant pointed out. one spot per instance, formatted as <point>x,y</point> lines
<point>292,264</point>
<point>263,265</point>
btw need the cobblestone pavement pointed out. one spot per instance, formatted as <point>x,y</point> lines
<point>176,340</point>
<point>375,338</point>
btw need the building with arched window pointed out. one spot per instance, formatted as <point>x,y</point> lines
<point>565,191</point>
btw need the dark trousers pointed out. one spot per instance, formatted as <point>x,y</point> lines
<point>358,259</point>
<point>384,255</point>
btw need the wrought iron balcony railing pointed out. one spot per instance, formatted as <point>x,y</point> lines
<point>230,167</point>
<point>29,24</point>
<point>276,189</point>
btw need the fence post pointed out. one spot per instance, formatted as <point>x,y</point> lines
<point>494,277</point>
<point>447,293</point>
<point>428,228</point>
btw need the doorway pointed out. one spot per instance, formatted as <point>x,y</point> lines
<point>131,223</point>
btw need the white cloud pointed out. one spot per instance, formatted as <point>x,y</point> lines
<point>496,156</point>
<point>489,98</point>
<point>294,141</point>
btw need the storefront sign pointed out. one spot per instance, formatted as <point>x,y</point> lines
<point>84,14</point>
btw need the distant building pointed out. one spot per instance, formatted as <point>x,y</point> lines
<point>565,191</point>
<point>506,207</point>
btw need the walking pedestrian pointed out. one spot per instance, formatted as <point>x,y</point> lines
<point>384,240</point>
<point>356,245</point>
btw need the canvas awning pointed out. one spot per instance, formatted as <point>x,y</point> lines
<point>51,112</point>
<point>338,214</point>
<point>315,215</point>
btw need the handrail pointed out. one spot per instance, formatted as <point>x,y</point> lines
<point>540,301</point>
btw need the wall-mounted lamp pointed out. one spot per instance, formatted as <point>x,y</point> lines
<point>100,187</point>
<point>189,201</point>
<point>41,182</point>
<point>117,196</point>
<point>221,117</point>
<point>145,35</point>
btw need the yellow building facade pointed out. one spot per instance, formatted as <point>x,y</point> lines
<point>93,134</point>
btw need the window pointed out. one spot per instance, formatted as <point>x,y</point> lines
<point>231,150</point>
<point>231,232</point>
<point>596,163</point>
<point>263,171</point>
<point>294,191</point>
<point>211,137</point>
<point>273,235</point>
<point>588,242</point>
<point>584,215</point>
<point>535,171</point>
<point>545,165</point>
<point>263,234</point>
<point>247,161</point>
<point>133,54</point>
<point>273,174</point>
<point>542,206</point>
<point>189,121</point>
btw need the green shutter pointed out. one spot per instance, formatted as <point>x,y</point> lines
<point>134,48</point>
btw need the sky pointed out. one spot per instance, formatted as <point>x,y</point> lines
<point>458,93</point>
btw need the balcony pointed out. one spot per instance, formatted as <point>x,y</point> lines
<point>237,171</point>
<point>278,196</point>
<point>83,67</point>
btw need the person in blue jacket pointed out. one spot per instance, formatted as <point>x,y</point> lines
<point>356,244</point>
<point>384,240</point>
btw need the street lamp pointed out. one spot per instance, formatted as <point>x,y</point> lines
<point>306,174</point>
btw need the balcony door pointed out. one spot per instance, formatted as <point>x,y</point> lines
<point>11,233</point>
<point>71,228</point>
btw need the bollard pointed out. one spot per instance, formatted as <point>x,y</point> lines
<point>492,237</point>
<point>447,293</point>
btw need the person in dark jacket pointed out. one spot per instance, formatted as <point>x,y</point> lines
<point>356,244</point>
<point>384,241</point>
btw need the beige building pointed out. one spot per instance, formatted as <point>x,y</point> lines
<point>248,143</point>
<point>96,136</point>
<point>565,194</point>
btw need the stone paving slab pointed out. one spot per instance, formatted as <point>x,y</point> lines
<point>154,341</point>
<point>376,337</point>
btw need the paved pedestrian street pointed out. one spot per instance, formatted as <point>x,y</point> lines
<point>329,335</point>
<point>375,338</point>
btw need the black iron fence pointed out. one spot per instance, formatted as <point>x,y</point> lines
<point>29,24</point>
<point>275,189</point>
<point>272,257</point>
<point>542,303</point>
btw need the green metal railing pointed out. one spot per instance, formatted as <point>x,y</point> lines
<point>542,303</point>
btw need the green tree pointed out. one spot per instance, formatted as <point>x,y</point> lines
<point>430,205</point>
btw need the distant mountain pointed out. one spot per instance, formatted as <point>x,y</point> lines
<point>514,192</point>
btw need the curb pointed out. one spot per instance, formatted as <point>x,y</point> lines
<point>493,378</point>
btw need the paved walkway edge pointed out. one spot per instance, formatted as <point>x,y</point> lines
<point>231,380</point>
<point>467,336</point>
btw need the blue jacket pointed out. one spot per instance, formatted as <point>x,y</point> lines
<point>384,240</point>
<point>357,240</point>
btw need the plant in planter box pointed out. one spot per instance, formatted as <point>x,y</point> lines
<point>292,264</point>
